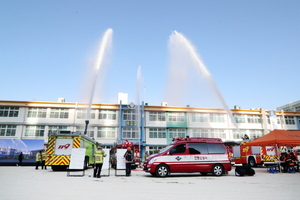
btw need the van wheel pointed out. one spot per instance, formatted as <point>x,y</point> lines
<point>217,170</point>
<point>252,162</point>
<point>162,170</point>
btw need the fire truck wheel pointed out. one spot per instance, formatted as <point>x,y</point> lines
<point>252,162</point>
<point>217,170</point>
<point>86,162</point>
<point>162,170</point>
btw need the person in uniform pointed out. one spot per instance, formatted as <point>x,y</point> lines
<point>38,159</point>
<point>44,157</point>
<point>128,160</point>
<point>99,154</point>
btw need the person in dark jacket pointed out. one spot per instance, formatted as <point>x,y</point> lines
<point>128,160</point>
<point>21,157</point>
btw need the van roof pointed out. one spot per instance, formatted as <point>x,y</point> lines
<point>196,139</point>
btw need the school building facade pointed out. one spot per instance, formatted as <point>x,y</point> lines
<point>149,127</point>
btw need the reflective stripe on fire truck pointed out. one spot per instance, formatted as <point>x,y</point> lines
<point>59,160</point>
<point>270,158</point>
<point>76,143</point>
<point>51,143</point>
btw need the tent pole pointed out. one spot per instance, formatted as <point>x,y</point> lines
<point>279,164</point>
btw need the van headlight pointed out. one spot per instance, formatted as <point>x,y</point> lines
<point>152,161</point>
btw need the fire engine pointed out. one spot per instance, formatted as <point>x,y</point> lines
<point>124,145</point>
<point>254,155</point>
<point>60,147</point>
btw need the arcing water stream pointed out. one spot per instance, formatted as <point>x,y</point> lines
<point>184,54</point>
<point>98,64</point>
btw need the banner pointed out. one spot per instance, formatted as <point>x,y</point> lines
<point>106,159</point>
<point>77,158</point>
<point>120,158</point>
<point>10,150</point>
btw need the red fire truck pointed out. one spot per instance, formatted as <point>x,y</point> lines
<point>254,155</point>
<point>124,145</point>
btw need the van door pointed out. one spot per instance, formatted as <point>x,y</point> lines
<point>198,157</point>
<point>178,159</point>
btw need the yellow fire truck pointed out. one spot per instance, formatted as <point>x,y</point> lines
<point>60,147</point>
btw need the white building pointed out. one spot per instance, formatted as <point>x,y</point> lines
<point>148,127</point>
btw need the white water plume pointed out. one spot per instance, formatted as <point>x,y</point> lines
<point>188,76</point>
<point>96,72</point>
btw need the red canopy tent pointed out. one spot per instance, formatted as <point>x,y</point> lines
<point>278,138</point>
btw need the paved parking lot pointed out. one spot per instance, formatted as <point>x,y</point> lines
<point>27,183</point>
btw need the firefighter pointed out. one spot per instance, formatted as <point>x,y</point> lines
<point>99,154</point>
<point>44,157</point>
<point>128,159</point>
<point>38,159</point>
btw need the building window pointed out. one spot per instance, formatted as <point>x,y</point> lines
<point>9,111</point>
<point>199,117</point>
<point>34,131</point>
<point>129,115</point>
<point>238,134</point>
<point>37,112</point>
<point>219,118</point>
<point>177,133</point>
<point>59,113</point>
<point>289,120</point>
<point>239,118</point>
<point>254,119</point>
<point>157,116</point>
<point>176,117</point>
<point>108,114</point>
<point>55,129</point>
<point>218,133</point>
<point>8,130</point>
<point>255,134</point>
<point>155,149</point>
<point>89,132</point>
<point>200,133</point>
<point>128,133</point>
<point>82,114</point>
<point>106,132</point>
<point>157,133</point>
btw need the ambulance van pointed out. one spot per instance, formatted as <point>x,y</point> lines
<point>189,155</point>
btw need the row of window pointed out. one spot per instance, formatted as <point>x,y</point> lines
<point>132,115</point>
<point>130,133</point>
<point>205,133</point>
<point>64,113</point>
<point>213,117</point>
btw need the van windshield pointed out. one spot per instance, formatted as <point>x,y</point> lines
<point>166,149</point>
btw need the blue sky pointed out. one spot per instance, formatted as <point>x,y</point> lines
<point>251,48</point>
